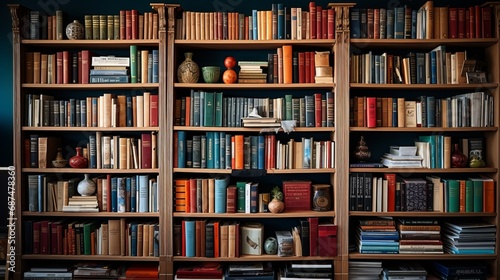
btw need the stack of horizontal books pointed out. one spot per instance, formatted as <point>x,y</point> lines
<point>307,270</point>
<point>261,122</point>
<point>366,270</point>
<point>458,270</point>
<point>252,72</point>
<point>405,270</point>
<point>419,236</point>
<point>82,204</point>
<point>469,238</point>
<point>377,236</point>
<point>208,270</point>
<point>109,70</point>
<point>250,271</point>
<point>402,157</point>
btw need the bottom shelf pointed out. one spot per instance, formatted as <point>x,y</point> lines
<point>89,258</point>
<point>247,258</point>
<point>359,256</point>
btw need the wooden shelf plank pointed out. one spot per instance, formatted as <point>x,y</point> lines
<point>92,86</point>
<point>292,214</point>
<point>419,214</point>
<point>422,43</point>
<point>92,214</point>
<point>268,171</point>
<point>76,129</point>
<point>108,44</point>
<point>425,129</point>
<point>254,86</point>
<point>251,44</point>
<point>247,258</point>
<point>90,170</point>
<point>359,256</point>
<point>423,86</point>
<point>426,170</point>
<point>252,129</point>
<point>90,258</point>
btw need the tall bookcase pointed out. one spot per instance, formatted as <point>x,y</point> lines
<point>344,134</point>
<point>72,136</point>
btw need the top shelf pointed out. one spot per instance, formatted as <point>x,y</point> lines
<point>251,44</point>
<point>422,43</point>
<point>78,44</point>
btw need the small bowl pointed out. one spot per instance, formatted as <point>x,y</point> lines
<point>59,163</point>
<point>211,74</point>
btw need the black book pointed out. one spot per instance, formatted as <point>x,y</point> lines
<point>304,236</point>
<point>270,68</point>
<point>295,67</point>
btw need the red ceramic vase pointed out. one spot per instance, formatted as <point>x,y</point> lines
<point>78,161</point>
<point>458,159</point>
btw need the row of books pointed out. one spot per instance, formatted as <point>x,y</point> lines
<point>474,109</point>
<point>418,270</point>
<point>74,67</point>
<point>203,108</point>
<point>390,193</point>
<point>128,24</point>
<point>113,237</point>
<point>107,110</point>
<point>133,193</point>
<point>281,22</point>
<point>427,22</point>
<point>220,239</point>
<point>221,150</point>
<point>434,67</point>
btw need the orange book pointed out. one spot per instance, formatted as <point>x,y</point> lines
<point>488,195</point>
<point>232,153</point>
<point>280,65</point>
<point>239,152</point>
<point>461,195</point>
<point>188,111</point>
<point>287,64</point>
<point>216,240</point>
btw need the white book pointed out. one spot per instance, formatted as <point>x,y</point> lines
<point>110,61</point>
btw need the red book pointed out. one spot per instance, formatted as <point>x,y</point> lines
<point>302,67</point>
<point>452,22</point>
<point>319,22</point>
<point>312,69</point>
<point>53,237</point>
<point>192,195</point>
<point>472,22</point>
<point>313,236</point>
<point>371,112</point>
<point>108,196</point>
<point>461,23</point>
<point>376,23</point>
<point>128,24</point>
<point>85,70</point>
<point>312,20</point>
<point>27,152</point>
<point>146,150</point>
<point>297,195</point>
<point>36,237</point>
<point>331,24</point>
<point>231,199</point>
<point>273,151</point>
<point>467,23</point>
<point>80,67</point>
<point>44,237</point>
<point>327,240</point>
<point>478,21</point>
<point>391,191</point>
<point>237,240</point>
<point>59,67</point>
<point>216,240</point>
<point>142,270</point>
<point>183,230</point>
<point>308,67</point>
<point>369,23</point>
<point>317,109</point>
<point>275,68</point>
<point>220,25</point>
<point>66,60</point>
<point>486,22</point>
<point>153,110</point>
<point>59,237</point>
<point>122,25</point>
<point>133,24</point>
<point>324,23</point>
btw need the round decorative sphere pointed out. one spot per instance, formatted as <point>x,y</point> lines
<point>188,71</point>
<point>211,74</point>
<point>230,62</point>
<point>75,30</point>
<point>229,76</point>
<point>87,186</point>
<point>271,246</point>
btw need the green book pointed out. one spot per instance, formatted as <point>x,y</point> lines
<point>288,107</point>
<point>87,230</point>
<point>469,196</point>
<point>209,109</point>
<point>95,27</point>
<point>218,109</point>
<point>133,64</point>
<point>103,27</point>
<point>88,27</point>
<point>452,195</point>
<point>478,194</point>
<point>116,26</point>
<point>240,197</point>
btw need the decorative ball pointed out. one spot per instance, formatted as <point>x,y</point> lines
<point>229,76</point>
<point>230,62</point>
<point>75,30</point>
<point>271,246</point>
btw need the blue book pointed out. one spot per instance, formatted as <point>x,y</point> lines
<point>210,149</point>
<point>202,108</point>
<point>150,68</point>
<point>365,243</point>
<point>129,112</point>
<point>254,145</point>
<point>114,196</point>
<point>261,152</point>
<point>143,186</point>
<point>308,146</point>
<point>155,66</point>
<point>281,21</point>
<point>288,23</point>
<point>376,69</point>
<point>399,23</point>
<point>92,152</point>
<point>355,25</point>
<point>222,150</point>
<point>83,109</point>
<point>390,24</point>
<point>413,24</point>
<point>216,149</point>
<point>218,114</point>
<point>190,238</point>
<point>228,151</point>
<point>121,194</point>
<point>102,72</point>
<point>109,79</point>
<point>255,25</point>
<point>133,194</point>
<point>128,189</point>
<point>439,151</point>
<point>181,149</point>
<point>195,100</point>
<point>221,194</point>
<point>133,239</point>
<point>420,67</point>
<point>41,191</point>
<point>363,23</point>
